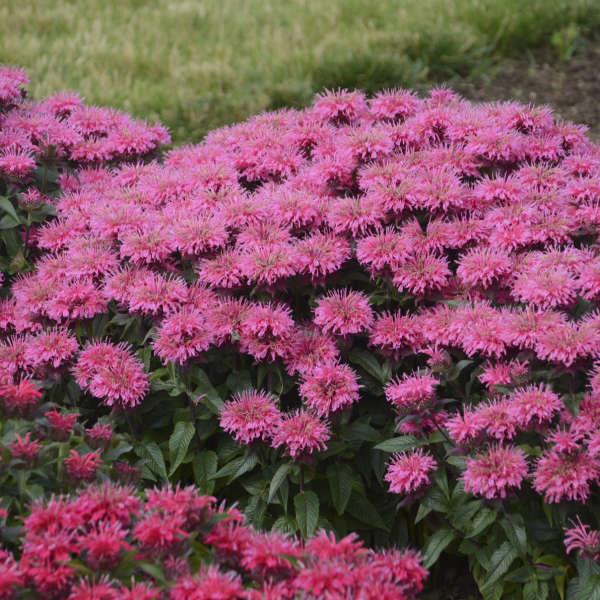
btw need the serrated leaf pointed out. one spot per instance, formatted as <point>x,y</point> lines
<point>237,467</point>
<point>436,544</point>
<point>340,478</point>
<point>153,570</point>
<point>363,510</point>
<point>155,461</point>
<point>286,525</point>
<point>206,391</point>
<point>399,444</point>
<point>179,443</point>
<point>278,479</point>
<point>482,520</point>
<point>306,505</point>
<point>7,206</point>
<point>500,562</point>
<point>204,466</point>
<point>114,453</point>
<point>368,362</point>
<point>515,533</point>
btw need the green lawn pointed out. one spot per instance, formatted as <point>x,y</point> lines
<point>197,64</point>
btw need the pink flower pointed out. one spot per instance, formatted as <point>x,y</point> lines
<point>82,467</point>
<point>24,448</point>
<point>340,106</point>
<point>496,473</point>
<point>412,393</point>
<point>422,274</point>
<point>182,335</point>
<point>329,387</point>
<point>250,416</point>
<point>268,555</point>
<point>265,331</point>
<point>51,348</point>
<point>19,398</point>
<point>302,434</point>
<point>308,348</point>
<point>209,584</point>
<point>103,546</point>
<point>409,472</point>
<point>534,405</point>
<point>16,163</point>
<point>565,476</point>
<point>584,540</point>
<point>481,266</point>
<point>343,312</point>
<point>112,374</point>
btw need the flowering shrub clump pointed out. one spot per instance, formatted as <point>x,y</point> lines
<point>375,315</point>
<point>176,544</point>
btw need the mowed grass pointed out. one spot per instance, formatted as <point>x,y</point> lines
<point>199,64</point>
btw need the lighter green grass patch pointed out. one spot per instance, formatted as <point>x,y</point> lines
<point>199,64</point>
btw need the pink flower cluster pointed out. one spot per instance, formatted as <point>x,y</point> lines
<point>428,229</point>
<point>62,126</point>
<point>109,529</point>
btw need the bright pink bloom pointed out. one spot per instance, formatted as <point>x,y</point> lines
<point>584,540</point>
<point>565,476</point>
<point>250,416</point>
<point>112,374</point>
<point>302,434</point>
<point>409,472</point>
<point>496,473</point>
<point>82,467</point>
<point>182,335</point>
<point>411,393</point>
<point>329,387</point>
<point>343,312</point>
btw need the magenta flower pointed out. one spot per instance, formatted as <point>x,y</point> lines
<point>495,473</point>
<point>409,472</point>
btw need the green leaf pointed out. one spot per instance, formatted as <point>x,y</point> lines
<point>237,467</point>
<point>7,206</point>
<point>368,362</point>
<point>436,544</point>
<point>179,442</point>
<point>483,519</point>
<point>204,466</point>
<point>362,509</point>
<point>114,453</point>
<point>516,534</point>
<point>340,478</point>
<point>206,391</point>
<point>153,570</point>
<point>286,525</point>
<point>155,461</point>
<point>360,431</point>
<point>307,512</point>
<point>399,444</point>
<point>500,562</point>
<point>278,479</point>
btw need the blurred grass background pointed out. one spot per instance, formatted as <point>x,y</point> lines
<point>199,64</point>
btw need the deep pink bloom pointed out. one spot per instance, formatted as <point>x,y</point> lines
<point>329,387</point>
<point>301,433</point>
<point>24,448</point>
<point>343,312</point>
<point>584,540</point>
<point>112,374</point>
<point>409,472</point>
<point>82,467</point>
<point>565,476</point>
<point>250,416</point>
<point>182,335</point>
<point>412,393</point>
<point>496,473</point>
